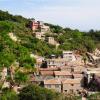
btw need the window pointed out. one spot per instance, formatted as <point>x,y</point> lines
<point>71,90</point>
<point>77,90</point>
<point>72,76</point>
<point>72,84</point>
<point>70,57</point>
<point>65,90</point>
<point>49,62</point>
<point>49,86</point>
<point>58,76</point>
<point>72,69</point>
<point>57,86</point>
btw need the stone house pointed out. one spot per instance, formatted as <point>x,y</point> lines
<point>47,74</point>
<point>35,25</point>
<point>46,71</point>
<point>71,86</point>
<point>45,28</point>
<point>77,76</point>
<point>62,74</point>
<point>39,25</point>
<point>54,84</point>
<point>56,62</point>
<point>69,56</point>
<point>52,41</point>
<point>78,69</point>
<point>40,35</point>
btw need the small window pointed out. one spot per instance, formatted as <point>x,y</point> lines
<point>72,77</point>
<point>58,76</point>
<point>49,86</point>
<point>65,90</point>
<point>72,69</point>
<point>53,62</point>
<point>71,90</point>
<point>49,62</point>
<point>78,92</point>
<point>72,84</point>
<point>57,86</point>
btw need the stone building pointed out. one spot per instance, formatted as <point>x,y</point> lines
<point>56,62</point>
<point>69,55</point>
<point>53,84</point>
<point>39,26</point>
<point>62,74</point>
<point>40,35</point>
<point>71,86</point>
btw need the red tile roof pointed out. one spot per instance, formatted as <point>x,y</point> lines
<point>62,73</point>
<point>78,75</point>
<point>52,81</point>
<point>44,73</point>
<point>71,81</point>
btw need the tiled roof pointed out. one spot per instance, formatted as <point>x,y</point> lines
<point>47,73</point>
<point>48,69</point>
<point>78,75</point>
<point>71,81</point>
<point>62,73</point>
<point>52,81</point>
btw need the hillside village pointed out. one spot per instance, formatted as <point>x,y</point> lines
<point>40,30</point>
<point>68,72</point>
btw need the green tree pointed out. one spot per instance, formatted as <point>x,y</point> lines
<point>20,77</point>
<point>8,94</point>
<point>95,96</point>
<point>35,92</point>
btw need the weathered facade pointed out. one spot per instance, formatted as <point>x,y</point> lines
<point>71,85</point>
<point>53,84</point>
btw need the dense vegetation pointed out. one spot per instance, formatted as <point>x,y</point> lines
<point>6,16</point>
<point>75,40</point>
<point>34,92</point>
<point>38,93</point>
<point>95,96</point>
<point>8,95</point>
<point>11,51</point>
